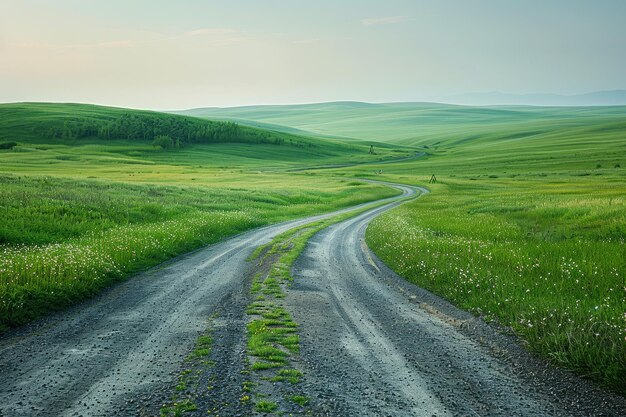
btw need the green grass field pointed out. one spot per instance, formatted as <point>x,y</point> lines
<point>526,225</point>
<point>62,240</point>
<point>80,213</point>
<point>545,258</point>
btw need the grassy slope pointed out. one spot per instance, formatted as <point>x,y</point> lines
<point>79,214</point>
<point>28,124</point>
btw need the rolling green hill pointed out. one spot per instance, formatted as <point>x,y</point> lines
<point>72,123</point>
<point>419,124</point>
<point>86,135</point>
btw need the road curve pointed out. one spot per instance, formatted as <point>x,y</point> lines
<point>373,344</point>
<point>100,357</point>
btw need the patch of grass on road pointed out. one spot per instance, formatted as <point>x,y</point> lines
<point>184,398</point>
<point>266,406</point>
<point>301,400</point>
<point>273,341</point>
<point>177,409</point>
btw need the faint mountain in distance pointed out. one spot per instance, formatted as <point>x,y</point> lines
<point>596,98</point>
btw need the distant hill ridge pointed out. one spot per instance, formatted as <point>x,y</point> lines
<point>596,98</point>
<point>413,124</point>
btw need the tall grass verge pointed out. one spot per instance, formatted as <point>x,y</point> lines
<point>548,260</point>
<point>119,229</point>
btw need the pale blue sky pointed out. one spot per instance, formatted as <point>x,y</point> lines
<point>190,53</point>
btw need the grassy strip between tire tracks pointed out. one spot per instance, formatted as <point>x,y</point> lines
<point>272,336</point>
<point>273,340</point>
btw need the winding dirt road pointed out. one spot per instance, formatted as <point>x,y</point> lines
<point>376,345</point>
<point>372,344</point>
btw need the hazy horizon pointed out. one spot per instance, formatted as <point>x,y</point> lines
<point>200,54</point>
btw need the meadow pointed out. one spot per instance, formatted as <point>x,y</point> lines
<point>80,214</point>
<point>63,240</point>
<point>429,125</point>
<point>546,260</point>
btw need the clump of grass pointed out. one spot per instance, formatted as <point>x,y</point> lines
<point>290,375</point>
<point>266,406</point>
<point>263,365</point>
<point>247,386</point>
<point>267,336</point>
<point>301,400</point>
<point>202,348</point>
<point>177,409</point>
